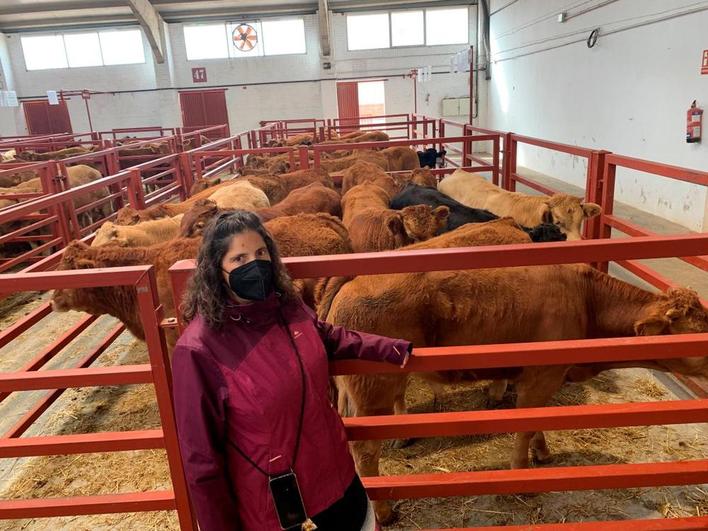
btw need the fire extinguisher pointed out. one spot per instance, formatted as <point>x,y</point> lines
<point>694,118</point>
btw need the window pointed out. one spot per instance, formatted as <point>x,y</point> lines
<point>283,37</point>
<point>216,41</point>
<point>44,51</point>
<point>83,49</point>
<point>367,32</point>
<point>74,50</point>
<point>407,28</point>
<point>427,27</point>
<point>446,26</point>
<point>205,42</point>
<point>122,47</point>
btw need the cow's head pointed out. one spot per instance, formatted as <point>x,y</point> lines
<point>568,212</point>
<point>106,234</point>
<point>678,311</point>
<point>546,232</point>
<point>424,177</point>
<point>127,216</point>
<point>77,255</point>
<point>202,184</point>
<point>196,218</point>
<point>422,222</point>
<point>282,166</point>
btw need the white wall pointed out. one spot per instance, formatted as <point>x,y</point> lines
<point>258,88</point>
<point>9,116</point>
<point>628,94</point>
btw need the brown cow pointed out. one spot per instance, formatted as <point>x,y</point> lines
<point>363,197</point>
<point>120,301</point>
<point>310,199</point>
<point>463,308</point>
<point>300,178</point>
<point>381,230</point>
<point>401,158</point>
<point>359,136</point>
<point>361,172</point>
<point>375,157</point>
<point>566,211</point>
<point>202,184</point>
<point>374,227</point>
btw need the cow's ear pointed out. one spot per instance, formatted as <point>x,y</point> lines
<point>652,326</point>
<point>83,263</point>
<point>546,214</point>
<point>441,212</point>
<point>590,210</point>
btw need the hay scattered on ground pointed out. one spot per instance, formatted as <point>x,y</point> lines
<point>134,407</point>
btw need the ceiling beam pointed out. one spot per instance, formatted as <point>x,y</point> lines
<point>323,15</point>
<point>53,7</point>
<point>152,24</point>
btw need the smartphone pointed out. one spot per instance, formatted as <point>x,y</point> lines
<point>288,500</point>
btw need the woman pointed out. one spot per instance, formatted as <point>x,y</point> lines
<point>263,447</point>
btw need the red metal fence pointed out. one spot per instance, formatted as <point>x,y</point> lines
<point>34,376</point>
<point>519,355</point>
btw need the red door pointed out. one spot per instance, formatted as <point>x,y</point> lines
<point>348,104</point>
<point>42,118</point>
<point>203,108</point>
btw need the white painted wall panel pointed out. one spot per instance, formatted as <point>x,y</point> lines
<point>629,94</point>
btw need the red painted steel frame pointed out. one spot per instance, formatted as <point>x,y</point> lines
<point>156,372</point>
<point>517,355</point>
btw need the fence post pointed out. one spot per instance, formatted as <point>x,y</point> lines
<point>506,162</point>
<point>607,203</point>
<point>304,157</point>
<point>510,147</point>
<point>593,193</point>
<point>187,172</point>
<point>466,147</point>
<point>441,134</point>
<point>495,160</point>
<point>136,197</point>
<point>414,126</point>
<point>151,313</point>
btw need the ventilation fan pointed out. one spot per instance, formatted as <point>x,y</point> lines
<point>244,37</point>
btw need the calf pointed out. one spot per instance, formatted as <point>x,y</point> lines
<point>120,301</point>
<point>563,210</point>
<point>141,235</point>
<point>401,158</point>
<point>310,199</point>
<point>375,157</point>
<point>381,230</point>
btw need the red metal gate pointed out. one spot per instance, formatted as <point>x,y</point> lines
<point>348,104</point>
<point>42,118</point>
<point>202,108</point>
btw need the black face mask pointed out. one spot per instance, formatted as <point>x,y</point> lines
<point>253,281</point>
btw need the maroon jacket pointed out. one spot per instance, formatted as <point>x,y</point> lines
<point>242,383</point>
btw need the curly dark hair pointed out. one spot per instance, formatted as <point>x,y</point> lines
<point>207,294</point>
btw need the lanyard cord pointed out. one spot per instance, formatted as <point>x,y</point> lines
<point>282,321</point>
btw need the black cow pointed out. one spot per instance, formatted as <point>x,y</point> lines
<point>460,214</point>
<point>430,157</point>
